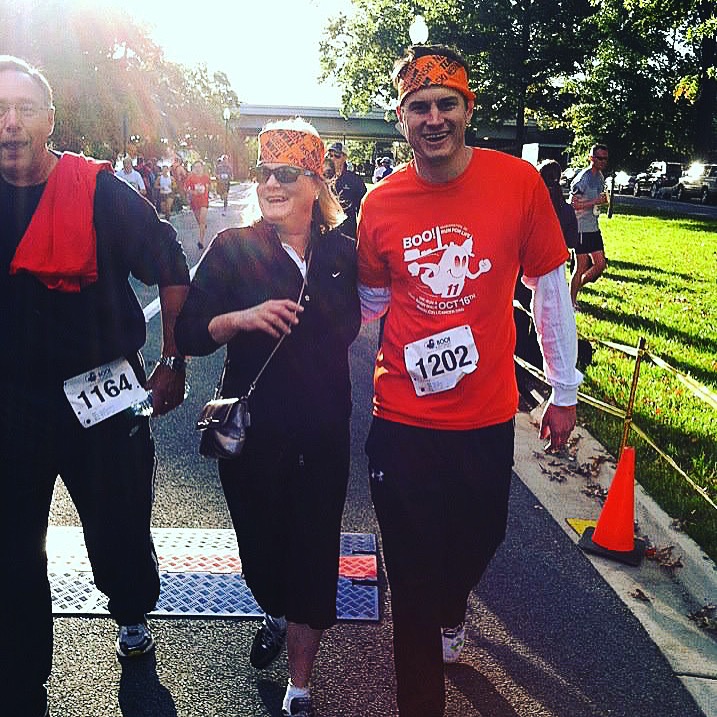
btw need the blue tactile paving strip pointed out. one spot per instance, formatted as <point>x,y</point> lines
<point>201,576</point>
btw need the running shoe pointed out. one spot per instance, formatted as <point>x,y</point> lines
<point>299,707</point>
<point>454,638</point>
<point>268,642</point>
<point>134,640</point>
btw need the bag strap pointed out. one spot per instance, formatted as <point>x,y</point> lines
<point>252,385</point>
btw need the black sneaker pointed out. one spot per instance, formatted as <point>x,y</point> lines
<point>134,640</point>
<point>299,707</point>
<point>268,642</point>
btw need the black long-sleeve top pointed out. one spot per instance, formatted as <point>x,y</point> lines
<point>306,386</point>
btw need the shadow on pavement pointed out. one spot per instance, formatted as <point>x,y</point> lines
<point>272,695</point>
<point>141,694</point>
<point>479,691</point>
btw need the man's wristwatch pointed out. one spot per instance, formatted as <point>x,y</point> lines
<point>173,363</point>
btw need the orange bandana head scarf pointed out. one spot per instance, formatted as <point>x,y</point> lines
<point>433,70</point>
<point>289,146</point>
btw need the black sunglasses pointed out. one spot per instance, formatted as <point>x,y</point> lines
<point>286,174</point>
<point>602,159</point>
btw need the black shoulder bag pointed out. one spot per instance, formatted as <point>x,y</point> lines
<point>224,421</point>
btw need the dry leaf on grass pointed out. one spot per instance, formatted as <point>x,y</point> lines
<point>705,617</point>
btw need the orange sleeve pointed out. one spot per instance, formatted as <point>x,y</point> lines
<point>372,269</point>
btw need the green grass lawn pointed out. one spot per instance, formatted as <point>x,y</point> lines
<point>660,284</point>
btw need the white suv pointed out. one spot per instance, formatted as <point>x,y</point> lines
<point>700,180</point>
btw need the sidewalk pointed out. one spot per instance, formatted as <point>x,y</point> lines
<point>662,598</point>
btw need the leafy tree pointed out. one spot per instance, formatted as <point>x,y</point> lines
<point>695,23</point>
<point>649,92</point>
<point>623,95</point>
<point>519,51</point>
<point>113,88</point>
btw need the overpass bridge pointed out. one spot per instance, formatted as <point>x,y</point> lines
<point>247,120</point>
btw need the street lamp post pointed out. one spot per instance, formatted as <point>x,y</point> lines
<point>418,30</point>
<point>227,114</point>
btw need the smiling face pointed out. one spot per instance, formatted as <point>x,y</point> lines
<point>24,158</point>
<point>287,205</point>
<point>434,121</point>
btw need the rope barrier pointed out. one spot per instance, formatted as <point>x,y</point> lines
<point>674,465</point>
<point>697,389</point>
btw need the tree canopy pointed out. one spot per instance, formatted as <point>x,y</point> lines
<point>639,75</point>
<point>636,74</point>
<point>111,82</point>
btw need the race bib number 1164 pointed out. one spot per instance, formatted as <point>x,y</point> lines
<point>104,391</point>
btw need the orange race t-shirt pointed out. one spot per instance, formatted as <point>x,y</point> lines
<point>450,254</point>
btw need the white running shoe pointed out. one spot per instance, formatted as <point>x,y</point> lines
<point>454,638</point>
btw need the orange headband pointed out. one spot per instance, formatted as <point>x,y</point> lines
<point>433,70</point>
<point>289,146</point>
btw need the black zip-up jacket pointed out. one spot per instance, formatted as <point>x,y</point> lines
<point>306,387</point>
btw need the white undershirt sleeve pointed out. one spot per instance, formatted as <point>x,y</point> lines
<point>374,301</point>
<point>555,326</point>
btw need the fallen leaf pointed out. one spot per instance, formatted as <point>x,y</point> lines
<point>664,557</point>
<point>705,617</point>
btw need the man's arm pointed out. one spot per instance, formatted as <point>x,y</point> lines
<point>555,326</point>
<point>167,384</point>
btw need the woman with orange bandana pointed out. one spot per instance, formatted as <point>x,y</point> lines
<point>290,274</point>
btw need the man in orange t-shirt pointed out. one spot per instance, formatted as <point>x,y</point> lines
<point>440,243</point>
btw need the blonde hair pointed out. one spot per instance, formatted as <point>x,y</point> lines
<point>327,212</point>
<point>329,206</point>
<point>297,124</point>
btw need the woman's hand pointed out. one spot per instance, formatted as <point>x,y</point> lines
<point>275,317</point>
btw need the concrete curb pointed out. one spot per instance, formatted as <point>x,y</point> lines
<point>661,598</point>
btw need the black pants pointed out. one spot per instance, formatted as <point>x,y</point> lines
<point>108,470</point>
<point>441,498</point>
<point>286,497</point>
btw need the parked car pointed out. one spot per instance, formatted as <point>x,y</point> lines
<point>567,176</point>
<point>657,176</point>
<point>700,180</point>
<point>624,182</point>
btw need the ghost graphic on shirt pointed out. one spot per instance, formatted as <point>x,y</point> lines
<point>447,278</point>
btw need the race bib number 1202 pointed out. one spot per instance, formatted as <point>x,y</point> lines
<point>104,391</point>
<point>437,363</point>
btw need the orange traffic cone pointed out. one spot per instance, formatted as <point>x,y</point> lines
<point>613,536</point>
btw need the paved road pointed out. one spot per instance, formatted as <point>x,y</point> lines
<point>546,637</point>
<point>689,208</point>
